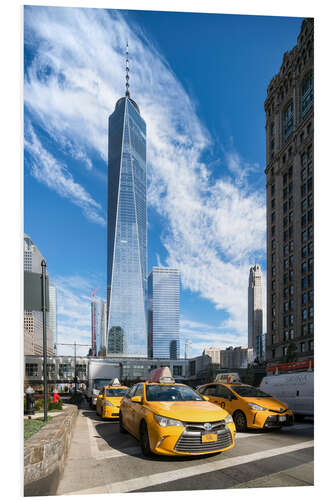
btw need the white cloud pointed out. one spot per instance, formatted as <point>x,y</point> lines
<point>214,229</point>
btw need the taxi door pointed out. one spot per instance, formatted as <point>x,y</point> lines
<point>127,409</point>
<point>137,411</point>
<point>225,398</point>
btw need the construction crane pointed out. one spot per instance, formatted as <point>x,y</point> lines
<point>93,292</point>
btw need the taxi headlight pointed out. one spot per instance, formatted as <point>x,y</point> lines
<point>106,403</point>
<point>256,407</point>
<point>228,419</point>
<point>167,422</point>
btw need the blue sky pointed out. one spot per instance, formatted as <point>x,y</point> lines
<point>200,81</point>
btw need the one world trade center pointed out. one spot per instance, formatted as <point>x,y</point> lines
<point>127,229</point>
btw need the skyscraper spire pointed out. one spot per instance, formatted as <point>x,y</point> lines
<point>127,94</point>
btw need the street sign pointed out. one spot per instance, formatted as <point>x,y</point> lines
<point>33,299</point>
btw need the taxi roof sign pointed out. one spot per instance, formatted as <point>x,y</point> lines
<point>161,375</point>
<point>227,378</point>
<point>114,381</point>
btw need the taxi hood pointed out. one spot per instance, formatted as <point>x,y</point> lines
<point>188,411</point>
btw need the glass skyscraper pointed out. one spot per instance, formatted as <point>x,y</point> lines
<point>127,231</point>
<point>163,313</point>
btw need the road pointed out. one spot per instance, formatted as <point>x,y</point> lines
<point>101,460</point>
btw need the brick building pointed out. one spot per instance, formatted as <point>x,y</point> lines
<point>289,189</point>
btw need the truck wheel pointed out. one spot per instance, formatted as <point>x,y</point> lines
<point>240,421</point>
<point>121,427</point>
<point>144,440</point>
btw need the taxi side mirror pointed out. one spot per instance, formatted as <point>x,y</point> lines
<point>206,398</point>
<point>137,399</point>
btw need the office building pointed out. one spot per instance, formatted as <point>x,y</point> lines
<point>255,310</point>
<point>236,357</point>
<point>163,313</point>
<point>98,325</point>
<point>214,353</point>
<point>33,320</point>
<point>52,315</point>
<point>188,348</point>
<point>127,229</point>
<point>289,186</point>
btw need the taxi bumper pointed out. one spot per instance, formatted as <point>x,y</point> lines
<point>110,411</point>
<point>188,440</point>
<point>269,419</point>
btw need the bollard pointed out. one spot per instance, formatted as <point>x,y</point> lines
<point>30,400</point>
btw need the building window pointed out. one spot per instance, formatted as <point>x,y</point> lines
<point>311,312</point>
<point>304,314</point>
<point>177,370</point>
<point>285,250</point>
<point>307,94</point>
<point>310,199</point>
<point>286,264</point>
<point>310,184</point>
<point>310,295</point>
<point>291,202</point>
<point>291,304</point>
<point>288,121</point>
<point>303,175</point>
<point>273,353</point>
<point>272,129</point>
<point>304,252</point>
<point>272,189</point>
<point>310,215</point>
<point>285,179</point>
<point>310,280</point>
<point>303,190</point>
<point>302,346</point>
<point>273,298</point>
<point>285,207</point>
<point>285,279</point>
<point>291,333</point>
<point>273,284</point>
<point>304,283</point>
<point>291,289</point>
<point>291,186</point>
<point>310,264</point>
<point>285,335</point>
<point>310,345</point>
<point>304,267</point>
<point>310,247</point>
<point>285,235</point>
<point>310,152</point>
<point>291,261</point>
<point>65,370</point>
<point>303,331</point>
<point>291,232</point>
<point>291,217</point>
<point>286,307</point>
<point>304,205</point>
<point>301,137</point>
<point>304,237</point>
<point>310,168</point>
<point>285,221</point>
<point>31,369</point>
<point>285,193</point>
<point>273,312</point>
<point>273,244</point>
<point>303,220</point>
<point>273,217</point>
<point>291,319</point>
<point>286,321</point>
<point>273,230</point>
<point>273,271</point>
<point>308,128</point>
<point>310,328</point>
<point>291,246</point>
<point>304,298</point>
<point>284,350</point>
<point>273,258</point>
<point>285,293</point>
<point>303,160</point>
<point>310,232</point>
<point>273,203</point>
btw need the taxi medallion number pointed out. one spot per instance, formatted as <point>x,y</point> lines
<point>208,438</point>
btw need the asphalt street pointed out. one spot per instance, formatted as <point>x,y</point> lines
<point>101,460</point>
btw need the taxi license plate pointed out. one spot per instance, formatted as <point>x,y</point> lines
<point>208,438</point>
<point>282,418</point>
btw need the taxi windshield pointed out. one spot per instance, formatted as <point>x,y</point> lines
<point>249,392</point>
<point>171,393</point>
<point>115,393</point>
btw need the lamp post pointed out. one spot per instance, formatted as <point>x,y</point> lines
<point>43,264</point>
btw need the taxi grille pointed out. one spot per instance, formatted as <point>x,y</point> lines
<point>190,440</point>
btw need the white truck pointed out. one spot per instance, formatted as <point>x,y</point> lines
<point>100,373</point>
<point>294,389</point>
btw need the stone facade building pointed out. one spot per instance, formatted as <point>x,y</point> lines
<point>255,311</point>
<point>289,186</point>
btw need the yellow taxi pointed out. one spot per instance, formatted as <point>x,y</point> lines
<point>173,419</point>
<point>109,399</point>
<point>250,407</point>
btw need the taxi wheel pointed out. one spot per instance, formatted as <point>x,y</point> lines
<point>240,421</point>
<point>144,440</point>
<point>121,427</point>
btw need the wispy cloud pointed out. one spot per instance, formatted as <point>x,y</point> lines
<point>214,228</point>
